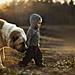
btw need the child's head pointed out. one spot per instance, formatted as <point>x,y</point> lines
<point>35,20</point>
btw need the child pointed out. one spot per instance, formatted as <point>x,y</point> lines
<point>33,42</point>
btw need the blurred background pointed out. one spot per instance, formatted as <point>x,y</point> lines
<point>54,12</point>
<point>58,25</point>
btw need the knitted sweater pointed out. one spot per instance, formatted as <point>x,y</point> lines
<point>33,37</point>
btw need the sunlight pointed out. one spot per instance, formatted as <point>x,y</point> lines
<point>62,1</point>
<point>4,1</point>
<point>20,0</point>
<point>54,1</point>
<point>8,1</point>
<point>26,0</point>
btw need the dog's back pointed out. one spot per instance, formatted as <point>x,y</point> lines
<point>6,30</point>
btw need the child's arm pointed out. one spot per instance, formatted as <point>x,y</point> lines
<point>30,35</point>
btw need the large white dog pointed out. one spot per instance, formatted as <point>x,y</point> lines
<point>13,36</point>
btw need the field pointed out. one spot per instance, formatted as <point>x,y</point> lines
<point>57,46</point>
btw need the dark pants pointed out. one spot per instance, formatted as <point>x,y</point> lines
<point>35,53</point>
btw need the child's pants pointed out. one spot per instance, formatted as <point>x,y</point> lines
<point>35,53</point>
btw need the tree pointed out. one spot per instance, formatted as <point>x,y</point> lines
<point>65,2</point>
<point>71,3</point>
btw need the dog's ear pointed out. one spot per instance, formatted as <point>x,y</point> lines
<point>10,43</point>
<point>14,35</point>
<point>13,38</point>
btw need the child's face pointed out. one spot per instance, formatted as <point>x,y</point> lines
<point>37,24</point>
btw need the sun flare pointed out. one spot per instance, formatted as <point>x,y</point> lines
<point>8,1</point>
<point>62,1</point>
<point>4,1</point>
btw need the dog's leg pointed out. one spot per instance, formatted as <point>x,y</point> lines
<point>1,65</point>
<point>3,54</point>
<point>2,58</point>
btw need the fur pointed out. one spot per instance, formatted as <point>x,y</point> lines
<point>12,36</point>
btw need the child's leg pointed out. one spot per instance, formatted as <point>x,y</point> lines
<point>38,57</point>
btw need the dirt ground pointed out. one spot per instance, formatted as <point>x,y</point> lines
<point>58,56</point>
<point>59,60</point>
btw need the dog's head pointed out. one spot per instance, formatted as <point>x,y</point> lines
<point>17,41</point>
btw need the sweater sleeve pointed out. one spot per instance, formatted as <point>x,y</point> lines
<point>30,34</point>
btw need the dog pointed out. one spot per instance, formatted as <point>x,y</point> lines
<point>13,36</point>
